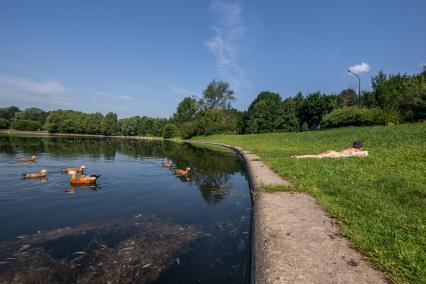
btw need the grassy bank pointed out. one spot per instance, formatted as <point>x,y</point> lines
<point>379,200</point>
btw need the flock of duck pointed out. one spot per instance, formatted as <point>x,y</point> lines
<point>73,172</point>
<point>170,165</point>
<point>78,177</point>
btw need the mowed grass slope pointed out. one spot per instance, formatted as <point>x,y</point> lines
<point>379,200</point>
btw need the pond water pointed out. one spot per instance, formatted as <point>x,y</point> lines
<point>140,224</point>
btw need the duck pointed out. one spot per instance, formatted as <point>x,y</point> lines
<point>27,159</point>
<point>183,172</point>
<point>78,170</point>
<point>41,174</point>
<point>168,164</point>
<point>82,179</point>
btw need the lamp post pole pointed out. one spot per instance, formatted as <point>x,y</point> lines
<point>359,86</point>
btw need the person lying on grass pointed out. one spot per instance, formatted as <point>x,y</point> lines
<point>357,150</point>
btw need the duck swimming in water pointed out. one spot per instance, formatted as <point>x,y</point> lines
<point>41,174</point>
<point>82,179</point>
<point>27,159</point>
<point>183,172</point>
<point>168,164</point>
<point>78,170</point>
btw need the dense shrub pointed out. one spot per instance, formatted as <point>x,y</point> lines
<point>189,129</point>
<point>27,125</point>
<point>4,123</point>
<point>304,126</point>
<point>391,116</point>
<point>169,131</point>
<point>215,121</point>
<point>353,116</point>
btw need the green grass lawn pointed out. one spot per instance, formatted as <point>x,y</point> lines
<point>379,200</point>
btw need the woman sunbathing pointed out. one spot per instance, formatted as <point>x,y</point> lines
<point>355,151</point>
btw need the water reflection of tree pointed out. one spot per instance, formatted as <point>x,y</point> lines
<point>12,145</point>
<point>95,147</point>
<point>210,168</point>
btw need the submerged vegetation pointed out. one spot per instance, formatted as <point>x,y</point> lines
<point>118,251</point>
<point>380,200</point>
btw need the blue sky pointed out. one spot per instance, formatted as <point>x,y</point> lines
<point>143,57</point>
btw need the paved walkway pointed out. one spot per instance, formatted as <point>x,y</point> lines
<point>295,240</point>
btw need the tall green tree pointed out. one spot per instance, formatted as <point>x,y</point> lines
<point>289,114</point>
<point>129,126</point>
<point>347,97</point>
<point>32,113</point>
<point>217,95</point>
<point>401,93</point>
<point>158,126</point>
<point>9,112</point>
<point>368,99</point>
<point>186,110</point>
<point>315,106</point>
<point>263,115</point>
<point>109,124</point>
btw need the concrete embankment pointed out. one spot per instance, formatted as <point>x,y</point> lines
<point>294,240</point>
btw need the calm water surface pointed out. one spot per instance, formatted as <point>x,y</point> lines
<point>140,224</point>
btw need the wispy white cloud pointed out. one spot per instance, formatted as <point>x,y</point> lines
<point>53,94</point>
<point>183,92</point>
<point>29,90</point>
<point>125,97</point>
<point>25,85</point>
<point>113,96</point>
<point>229,28</point>
<point>360,68</point>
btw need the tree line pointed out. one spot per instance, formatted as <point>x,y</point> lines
<point>393,99</point>
<point>70,121</point>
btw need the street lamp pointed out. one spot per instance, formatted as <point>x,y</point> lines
<point>359,86</point>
